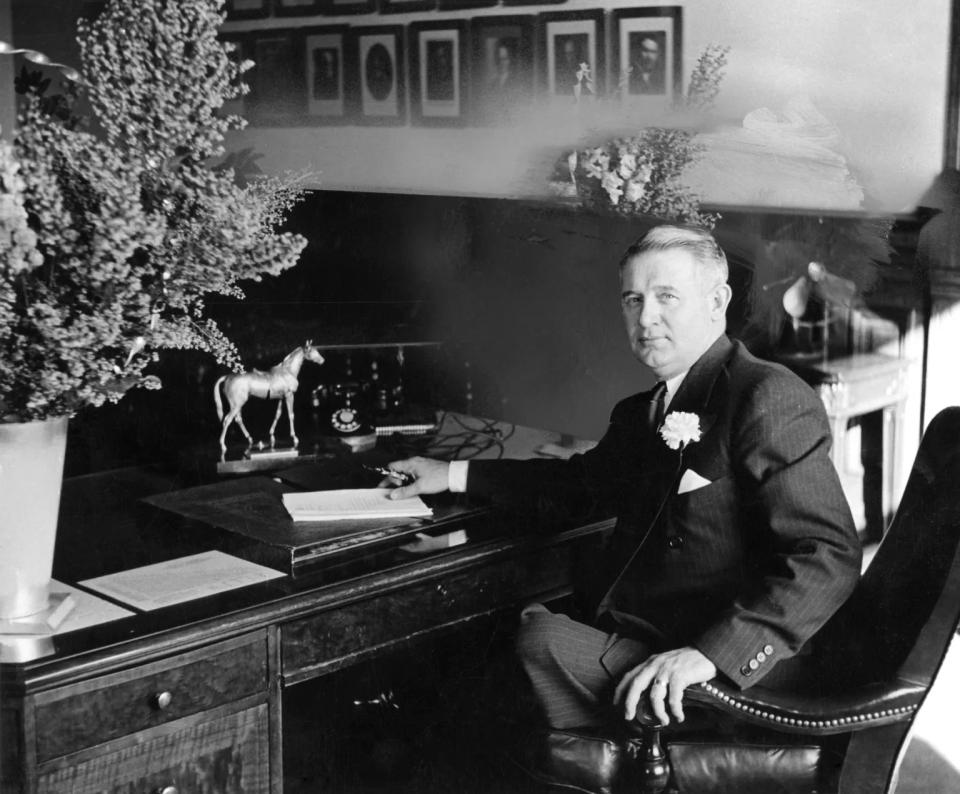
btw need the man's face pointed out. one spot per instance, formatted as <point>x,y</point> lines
<point>649,54</point>
<point>671,314</point>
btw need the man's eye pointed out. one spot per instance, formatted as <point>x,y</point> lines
<point>667,297</point>
<point>632,301</point>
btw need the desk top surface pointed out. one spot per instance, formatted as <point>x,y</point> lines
<point>105,528</point>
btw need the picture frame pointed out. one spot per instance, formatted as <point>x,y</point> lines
<point>647,53</point>
<point>339,7</point>
<point>501,65</point>
<point>377,80</point>
<point>532,2</point>
<point>565,40</point>
<point>326,75</point>
<point>402,6</point>
<point>951,133</point>
<point>276,80</point>
<point>296,8</point>
<point>438,72</point>
<point>247,9</point>
<point>457,5</point>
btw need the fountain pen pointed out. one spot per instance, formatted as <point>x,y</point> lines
<point>401,477</point>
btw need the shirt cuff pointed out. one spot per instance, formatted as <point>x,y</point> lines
<point>457,476</point>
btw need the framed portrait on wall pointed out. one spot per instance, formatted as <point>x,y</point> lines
<point>336,7</point>
<point>567,41</point>
<point>533,2</point>
<point>247,9</point>
<point>293,8</point>
<point>325,63</point>
<point>276,80</point>
<point>438,72</point>
<point>647,52</point>
<point>400,6</point>
<point>378,82</point>
<point>501,65</point>
<point>454,5</point>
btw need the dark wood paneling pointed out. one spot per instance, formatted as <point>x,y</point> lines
<point>72,718</point>
<point>228,754</point>
<point>333,639</point>
<point>11,748</point>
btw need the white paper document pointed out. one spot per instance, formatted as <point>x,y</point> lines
<point>352,503</point>
<point>88,610</point>
<point>183,579</point>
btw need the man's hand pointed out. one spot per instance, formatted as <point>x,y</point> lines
<point>662,678</point>
<point>429,476</point>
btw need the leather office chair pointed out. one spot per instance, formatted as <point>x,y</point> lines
<point>848,731</point>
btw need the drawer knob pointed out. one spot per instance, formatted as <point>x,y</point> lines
<point>165,790</point>
<point>162,701</point>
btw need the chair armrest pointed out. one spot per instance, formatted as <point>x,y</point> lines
<point>867,706</point>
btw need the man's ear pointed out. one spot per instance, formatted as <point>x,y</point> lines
<point>719,300</point>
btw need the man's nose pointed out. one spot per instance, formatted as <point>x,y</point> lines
<point>649,314</point>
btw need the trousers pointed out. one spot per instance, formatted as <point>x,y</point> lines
<point>572,667</point>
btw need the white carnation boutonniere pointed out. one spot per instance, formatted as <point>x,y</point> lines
<point>679,429</point>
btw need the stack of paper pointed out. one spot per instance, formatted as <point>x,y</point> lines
<point>352,503</point>
<point>184,579</point>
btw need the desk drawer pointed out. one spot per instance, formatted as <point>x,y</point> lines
<point>226,754</point>
<point>95,711</point>
<point>345,634</point>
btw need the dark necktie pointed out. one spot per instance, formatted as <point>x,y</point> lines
<point>656,407</point>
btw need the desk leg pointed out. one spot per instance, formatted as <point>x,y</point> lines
<point>276,711</point>
<point>873,457</point>
<point>893,421</point>
<point>838,427</point>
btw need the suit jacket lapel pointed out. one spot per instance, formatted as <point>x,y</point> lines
<point>693,396</point>
<point>695,392</point>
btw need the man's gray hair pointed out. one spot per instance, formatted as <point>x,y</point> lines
<point>695,239</point>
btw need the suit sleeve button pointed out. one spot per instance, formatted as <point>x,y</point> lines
<point>761,657</point>
<point>754,664</point>
<point>745,670</point>
<point>768,649</point>
<point>675,542</point>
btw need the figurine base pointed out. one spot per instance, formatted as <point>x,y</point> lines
<point>261,460</point>
<point>272,454</point>
<point>46,621</point>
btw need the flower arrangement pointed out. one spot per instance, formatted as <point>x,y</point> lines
<point>110,242</point>
<point>680,429</point>
<point>641,174</point>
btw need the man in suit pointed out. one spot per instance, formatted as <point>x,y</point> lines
<point>734,543</point>
<point>647,74</point>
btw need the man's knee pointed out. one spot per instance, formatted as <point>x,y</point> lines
<point>539,633</point>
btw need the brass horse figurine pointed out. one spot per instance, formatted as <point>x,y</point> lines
<point>278,383</point>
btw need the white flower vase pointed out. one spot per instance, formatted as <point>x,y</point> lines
<point>31,473</point>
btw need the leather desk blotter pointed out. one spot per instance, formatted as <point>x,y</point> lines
<point>246,517</point>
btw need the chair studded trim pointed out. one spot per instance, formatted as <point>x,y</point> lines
<point>864,707</point>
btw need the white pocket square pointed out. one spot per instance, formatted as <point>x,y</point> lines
<point>691,481</point>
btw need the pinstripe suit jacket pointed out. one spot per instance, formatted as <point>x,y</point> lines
<point>746,568</point>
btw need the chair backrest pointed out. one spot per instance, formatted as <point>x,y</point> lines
<point>905,609</point>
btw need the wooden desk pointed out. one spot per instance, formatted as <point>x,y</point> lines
<point>190,699</point>
<point>866,386</point>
